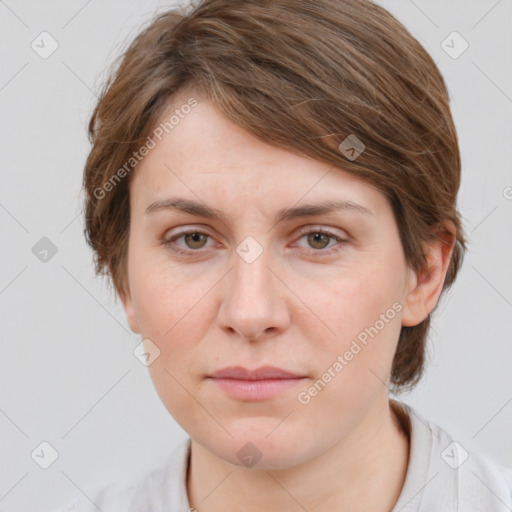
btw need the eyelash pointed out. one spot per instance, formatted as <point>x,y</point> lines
<point>303,232</point>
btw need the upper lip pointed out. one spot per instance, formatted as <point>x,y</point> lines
<point>264,372</point>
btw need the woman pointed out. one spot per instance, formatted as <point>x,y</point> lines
<point>272,189</point>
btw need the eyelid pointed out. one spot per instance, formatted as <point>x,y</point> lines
<point>186,231</point>
<point>314,228</point>
<point>303,231</point>
<point>327,231</point>
<point>310,228</point>
<point>179,231</point>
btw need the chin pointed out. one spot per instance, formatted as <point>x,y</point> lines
<point>257,449</point>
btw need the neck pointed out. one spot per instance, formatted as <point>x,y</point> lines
<point>364,470</point>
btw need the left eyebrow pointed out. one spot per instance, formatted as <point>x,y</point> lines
<point>307,210</point>
<point>202,210</point>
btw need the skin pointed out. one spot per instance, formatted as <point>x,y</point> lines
<point>295,307</point>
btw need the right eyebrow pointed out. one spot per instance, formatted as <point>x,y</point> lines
<point>187,206</point>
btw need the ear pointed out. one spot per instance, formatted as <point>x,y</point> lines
<point>425,287</point>
<point>126,299</point>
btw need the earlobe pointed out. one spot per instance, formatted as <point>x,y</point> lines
<point>126,299</point>
<point>425,287</point>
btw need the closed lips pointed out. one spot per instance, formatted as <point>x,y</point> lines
<point>262,373</point>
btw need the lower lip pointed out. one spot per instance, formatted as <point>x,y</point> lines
<point>256,389</point>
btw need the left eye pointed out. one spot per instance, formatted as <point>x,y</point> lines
<point>319,239</point>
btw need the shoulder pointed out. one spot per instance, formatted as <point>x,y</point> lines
<point>456,474</point>
<point>484,483</point>
<point>154,491</point>
<point>480,478</point>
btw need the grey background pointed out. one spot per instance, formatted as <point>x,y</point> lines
<point>67,372</point>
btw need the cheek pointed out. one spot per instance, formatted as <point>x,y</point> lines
<point>165,298</point>
<point>168,374</point>
<point>172,315</point>
<point>363,310</point>
<point>357,301</point>
<point>353,366</point>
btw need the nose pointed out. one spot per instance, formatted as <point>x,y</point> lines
<point>254,304</point>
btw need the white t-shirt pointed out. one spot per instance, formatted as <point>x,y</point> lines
<point>442,476</point>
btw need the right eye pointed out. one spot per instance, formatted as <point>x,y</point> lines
<point>194,239</point>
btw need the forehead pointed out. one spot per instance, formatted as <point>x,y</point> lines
<point>205,156</point>
<point>204,138</point>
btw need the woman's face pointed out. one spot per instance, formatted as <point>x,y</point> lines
<point>261,285</point>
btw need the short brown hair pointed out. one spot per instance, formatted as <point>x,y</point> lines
<point>302,75</point>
